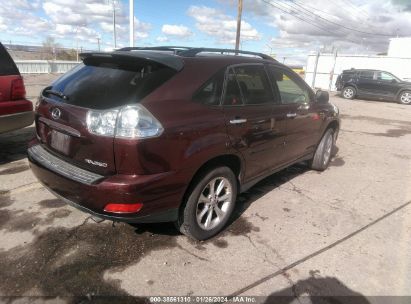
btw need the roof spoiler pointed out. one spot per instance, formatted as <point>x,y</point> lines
<point>171,61</point>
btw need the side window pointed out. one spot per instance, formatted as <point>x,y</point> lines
<point>384,76</point>
<point>367,75</point>
<point>290,90</point>
<point>254,85</point>
<point>210,92</point>
<point>232,90</point>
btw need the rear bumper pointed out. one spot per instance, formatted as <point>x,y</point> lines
<point>160,194</point>
<point>16,121</point>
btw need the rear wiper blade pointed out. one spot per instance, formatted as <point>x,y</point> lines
<point>56,93</point>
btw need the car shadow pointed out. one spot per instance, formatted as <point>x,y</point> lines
<point>13,145</point>
<point>245,199</point>
<point>319,290</point>
<point>243,202</point>
<point>368,99</point>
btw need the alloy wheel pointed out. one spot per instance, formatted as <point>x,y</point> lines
<point>348,93</point>
<point>214,203</point>
<point>328,148</point>
<point>406,98</point>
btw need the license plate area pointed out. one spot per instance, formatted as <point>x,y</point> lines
<point>60,142</point>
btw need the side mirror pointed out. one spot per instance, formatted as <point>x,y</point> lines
<point>394,80</point>
<point>322,97</point>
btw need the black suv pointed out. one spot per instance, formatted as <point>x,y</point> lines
<point>373,84</point>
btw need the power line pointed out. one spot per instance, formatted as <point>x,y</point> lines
<point>338,24</point>
<point>317,9</point>
<point>351,12</point>
<point>298,17</point>
<point>292,12</point>
<point>359,14</point>
<point>355,7</point>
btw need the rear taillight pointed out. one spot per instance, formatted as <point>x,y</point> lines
<point>18,91</point>
<point>123,208</point>
<point>132,121</point>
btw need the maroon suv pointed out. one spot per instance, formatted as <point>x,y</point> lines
<point>15,110</point>
<point>175,134</point>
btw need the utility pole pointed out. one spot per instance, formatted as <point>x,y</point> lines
<point>240,11</point>
<point>114,23</point>
<point>98,43</point>
<point>131,23</point>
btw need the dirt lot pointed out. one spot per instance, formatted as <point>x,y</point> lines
<point>36,82</point>
<point>346,231</point>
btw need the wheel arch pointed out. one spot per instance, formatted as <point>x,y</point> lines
<point>334,124</point>
<point>232,161</point>
<point>402,90</point>
<point>350,84</point>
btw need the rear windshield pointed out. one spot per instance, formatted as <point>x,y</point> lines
<point>98,84</point>
<point>7,66</point>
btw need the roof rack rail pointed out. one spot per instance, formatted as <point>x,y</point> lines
<point>191,52</point>
<point>175,49</point>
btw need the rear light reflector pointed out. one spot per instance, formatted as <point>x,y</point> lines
<point>18,91</point>
<point>123,208</point>
<point>17,106</point>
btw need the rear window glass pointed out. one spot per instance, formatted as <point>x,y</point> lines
<point>7,66</point>
<point>108,84</point>
<point>347,75</point>
<point>367,75</point>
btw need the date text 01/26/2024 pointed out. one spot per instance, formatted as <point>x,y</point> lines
<point>203,299</point>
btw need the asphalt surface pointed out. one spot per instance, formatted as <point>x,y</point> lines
<point>345,231</point>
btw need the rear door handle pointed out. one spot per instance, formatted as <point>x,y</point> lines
<point>291,115</point>
<point>238,121</point>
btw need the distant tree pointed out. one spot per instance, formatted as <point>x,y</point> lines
<point>67,54</point>
<point>50,48</point>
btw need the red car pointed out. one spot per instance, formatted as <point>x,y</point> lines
<point>16,111</point>
<point>163,134</point>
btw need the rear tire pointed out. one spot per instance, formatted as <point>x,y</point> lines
<point>323,154</point>
<point>349,92</point>
<point>405,98</point>
<point>209,204</point>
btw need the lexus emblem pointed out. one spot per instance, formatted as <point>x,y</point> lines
<point>56,113</point>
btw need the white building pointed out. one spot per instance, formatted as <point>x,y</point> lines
<point>325,68</point>
<point>400,47</point>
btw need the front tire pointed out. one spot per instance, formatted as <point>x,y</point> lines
<point>323,154</point>
<point>405,98</point>
<point>209,204</point>
<point>349,92</point>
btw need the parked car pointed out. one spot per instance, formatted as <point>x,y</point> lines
<point>373,84</point>
<point>16,111</point>
<point>174,135</point>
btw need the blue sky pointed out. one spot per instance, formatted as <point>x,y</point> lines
<point>152,15</point>
<point>287,28</point>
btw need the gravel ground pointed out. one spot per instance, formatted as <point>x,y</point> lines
<point>345,231</point>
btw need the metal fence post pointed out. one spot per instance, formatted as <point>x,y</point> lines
<point>332,71</point>
<point>315,69</point>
